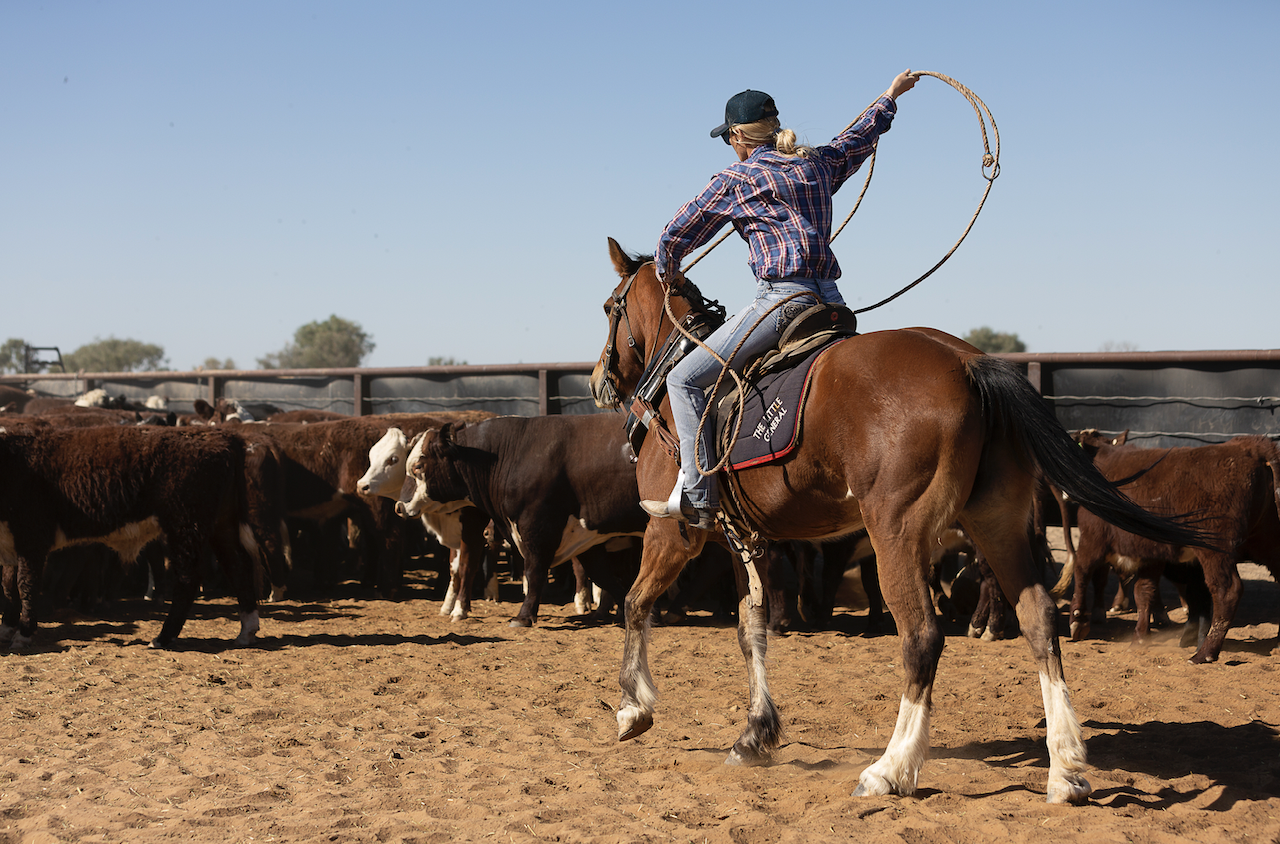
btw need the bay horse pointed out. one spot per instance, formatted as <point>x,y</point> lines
<point>905,433</point>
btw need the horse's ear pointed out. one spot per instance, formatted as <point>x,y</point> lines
<point>1122,438</point>
<point>203,409</point>
<point>623,263</point>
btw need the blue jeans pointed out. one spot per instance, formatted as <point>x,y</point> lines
<point>688,381</point>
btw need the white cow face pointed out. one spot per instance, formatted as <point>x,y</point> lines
<point>386,472</point>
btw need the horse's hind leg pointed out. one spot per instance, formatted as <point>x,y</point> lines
<point>665,554</point>
<point>1004,543</point>
<point>902,562</point>
<point>763,732</point>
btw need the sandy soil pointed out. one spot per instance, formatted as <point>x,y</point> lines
<point>364,720</point>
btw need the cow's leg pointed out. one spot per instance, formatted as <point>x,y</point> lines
<point>451,596</point>
<point>665,554</point>
<point>184,595</point>
<point>185,553</point>
<point>1009,555</point>
<point>537,564</point>
<point>236,552</point>
<point>1223,582</point>
<point>763,732</point>
<point>582,588</point>
<point>12,603</point>
<point>470,560</point>
<point>1199,609</point>
<point>1090,558</point>
<point>22,588</point>
<point>903,564</point>
<point>980,622</point>
<point>869,572</point>
<point>1145,583</point>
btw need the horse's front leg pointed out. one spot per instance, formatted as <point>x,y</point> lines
<point>665,555</point>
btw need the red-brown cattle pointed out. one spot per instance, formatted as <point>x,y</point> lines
<point>124,487</point>
<point>1232,491</point>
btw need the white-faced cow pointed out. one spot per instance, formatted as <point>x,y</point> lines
<point>1231,489</point>
<point>124,487</point>
<point>556,486</point>
<point>461,531</point>
<point>323,461</point>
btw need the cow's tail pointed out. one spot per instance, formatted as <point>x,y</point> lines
<point>1013,408</point>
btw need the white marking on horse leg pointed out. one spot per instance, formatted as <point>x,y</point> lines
<point>635,715</point>
<point>248,628</point>
<point>597,595</point>
<point>582,601</point>
<point>897,771</point>
<point>755,745</point>
<point>1067,759</point>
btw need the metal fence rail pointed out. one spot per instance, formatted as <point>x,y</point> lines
<point>1162,398</point>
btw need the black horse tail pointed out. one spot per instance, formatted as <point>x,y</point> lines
<point>1011,405</point>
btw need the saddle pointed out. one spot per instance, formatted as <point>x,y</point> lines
<point>776,384</point>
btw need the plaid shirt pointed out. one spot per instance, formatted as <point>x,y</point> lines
<point>781,206</point>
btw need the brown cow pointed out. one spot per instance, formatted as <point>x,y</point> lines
<point>1232,489</point>
<point>124,487</point>
<point>557,487</point>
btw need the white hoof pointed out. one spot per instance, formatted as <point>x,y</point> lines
<point>1073,789</point>
<point>633,721</point>
<point>248,628</point>
<point>872,785</point>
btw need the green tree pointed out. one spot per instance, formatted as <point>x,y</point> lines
<point>995,342</point>
<point>116,355</point>
<point>319,345</point>
<point>13,355</point>
<point>441,360</point>
<point>215,363</point>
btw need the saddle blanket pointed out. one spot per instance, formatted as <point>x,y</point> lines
<point>771,414</point>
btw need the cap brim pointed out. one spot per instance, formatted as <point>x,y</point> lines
<point>721,131</point>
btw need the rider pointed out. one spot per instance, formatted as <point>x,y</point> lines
<point>778,197</point>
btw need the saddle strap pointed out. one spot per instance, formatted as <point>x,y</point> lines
<point>650,419</point>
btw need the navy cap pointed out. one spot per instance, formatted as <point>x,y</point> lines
<point>747,107</point>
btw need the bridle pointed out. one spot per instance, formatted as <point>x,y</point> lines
<point>618,312</point>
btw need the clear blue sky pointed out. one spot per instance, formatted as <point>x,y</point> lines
<point>211,176</point>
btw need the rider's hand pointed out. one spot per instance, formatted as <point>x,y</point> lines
<point>902,83</point>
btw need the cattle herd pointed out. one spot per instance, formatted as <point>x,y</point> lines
<point>258,497</point>
<point>220,494</point>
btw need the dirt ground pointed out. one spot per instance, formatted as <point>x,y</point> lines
<point>357,719</point>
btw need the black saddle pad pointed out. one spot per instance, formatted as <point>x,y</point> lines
<point>771,414</point>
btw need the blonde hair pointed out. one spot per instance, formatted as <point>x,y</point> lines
<point>769,132</point>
